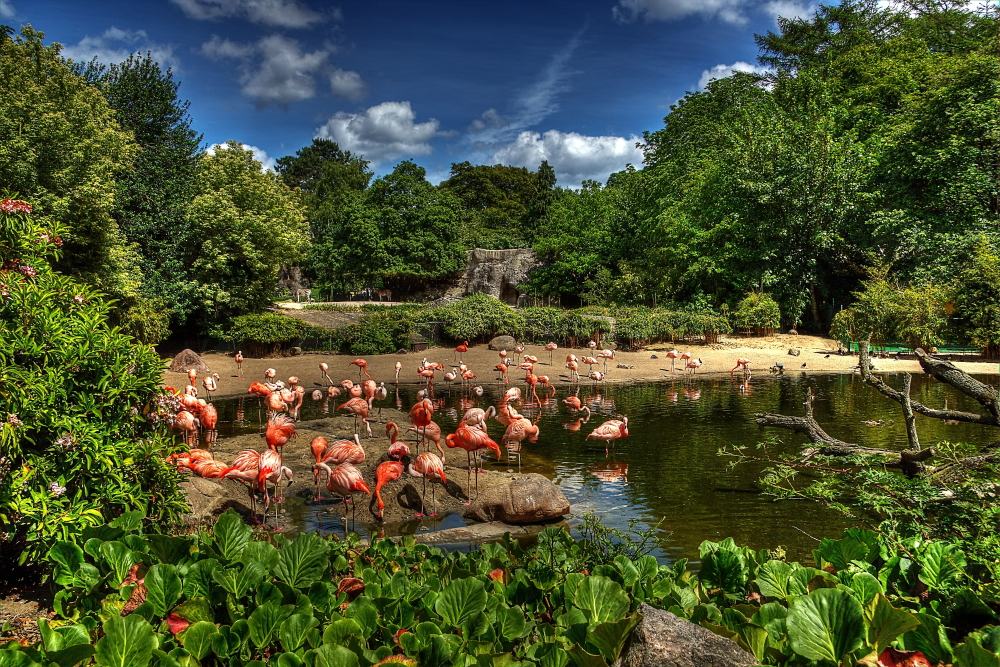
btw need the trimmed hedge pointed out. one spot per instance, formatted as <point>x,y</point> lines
<point>266,334</point>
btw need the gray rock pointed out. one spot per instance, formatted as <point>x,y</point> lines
<point>794,351</point>
<point>402,350</point>
<point>187,360</point>
<point>664,640</point>
<point>295,351</point>
<point>530,498</point>
<point>209,498</point>
<point>498,273</point>
<point>503,343</point>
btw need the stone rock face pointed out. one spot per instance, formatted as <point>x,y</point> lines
<point>794,351</point>
<point>187,360</point>
<point>209,498</point>
<point>496,272</point>
<point>503,343</point>
<point>528,499</point>
<point>664,640</point>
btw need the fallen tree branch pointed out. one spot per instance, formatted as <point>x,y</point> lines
<point>937,368</point>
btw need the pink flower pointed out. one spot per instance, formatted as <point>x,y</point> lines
<point>10,206</point>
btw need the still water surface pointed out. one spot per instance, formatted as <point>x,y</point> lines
<point>669,468</point>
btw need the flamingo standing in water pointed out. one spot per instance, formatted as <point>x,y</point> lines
<point>477,417</point>
<point>324,372</point>
<point>609,431</point>
<point>239,361</point>
<point>596,376</point>
<point>341,451</point>
<point>550,348</point>
<point>346,480</point>
<point>673,354</point>
<point>461,349</point>
<point>399,367</point>
<point>428,466</point>
<point>387,471</point>
<point>517,432</point>
<point>269,376</point>
<point>380,395</point>
<point>745,363</point>
<point>471,440</point>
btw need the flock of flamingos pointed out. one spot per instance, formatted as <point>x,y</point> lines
<point>264,475</point>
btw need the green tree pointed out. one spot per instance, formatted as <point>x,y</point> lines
<point>418,227</point>
<point>62,148</point>
<point>333,182</point>
<point>977,298</point>
<point>247,224</point>
<point>497,204</point>
<point>153,195</point>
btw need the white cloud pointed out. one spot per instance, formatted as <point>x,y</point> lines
<point>267,163</point>
<point>730,11</point>
<point>722,71</point>
<point>489,119</point>
<point>7,10</point>
<point>575,157</point>
<point>275,70</point>
<point>283,13</point>
<point>115,45</point>
<point>348,84</point>
<point>383,132</point>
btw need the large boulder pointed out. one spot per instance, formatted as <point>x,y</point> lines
<point>530,498</point>
<point>209,498</point>
<point>664,640</point>
<point>187,360</point>
<point>503,343</point>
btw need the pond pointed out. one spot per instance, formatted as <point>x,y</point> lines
<point>669,469</point>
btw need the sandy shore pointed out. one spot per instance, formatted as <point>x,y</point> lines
<point>816,354</point>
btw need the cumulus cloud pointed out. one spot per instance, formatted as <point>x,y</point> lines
<point>790,9</point>
<point>383,132</point>
<point>7,10</point>
<point>575,157</point>
<point>267,163</point>
<point>115,45</point>
<point>722,71</point>
<point>283,13</point>
<point>275,70</point>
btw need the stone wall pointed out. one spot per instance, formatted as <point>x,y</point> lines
<point>498,273</point>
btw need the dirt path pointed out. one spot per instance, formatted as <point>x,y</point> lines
<point>816,354</point>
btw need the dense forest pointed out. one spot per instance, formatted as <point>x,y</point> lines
<point>863,168</point>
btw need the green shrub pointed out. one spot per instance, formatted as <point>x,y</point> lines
<point>636,327</point>
<point>223,597</point>
<point>377,333</point>
<point>332,306</point>
<point>266,334</point>
<point>758,313</point>
<point>565,327</point>
<point>76,450</point>
<point>477,318</point>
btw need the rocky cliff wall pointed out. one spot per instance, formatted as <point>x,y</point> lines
<point>498,273</point>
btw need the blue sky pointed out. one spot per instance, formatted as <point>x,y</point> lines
<point>575,83</point>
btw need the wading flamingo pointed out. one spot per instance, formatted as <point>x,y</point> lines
<point>609,431</point>
<point>471,440</point>
<point>745,363</point>
<point>428,466</point>
<point>420,415</point>
<point>345,480</point>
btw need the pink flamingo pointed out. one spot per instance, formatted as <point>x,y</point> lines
<point>606,354</point>
<point>428,466</point>
<point>609,431</point>
<point>550,348</point>
<point>673,354</point>
<point>387,471</point>
<point>346,480</point>
<point>745,363</point>
<point>239,362</point>
<point>397,450</point>
<point>359,408</point>
<point>471,440</point>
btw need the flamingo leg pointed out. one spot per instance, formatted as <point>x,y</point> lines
<point>423,494</point>
<point>468,477</point>
<point>434,504</point>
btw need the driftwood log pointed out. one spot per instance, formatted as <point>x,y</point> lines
<point>911,461</point>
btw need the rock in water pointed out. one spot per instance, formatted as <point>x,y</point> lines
<point>503,343</point>
<point>528,499</point>
<point>664,640</point>
<point>187,360</point>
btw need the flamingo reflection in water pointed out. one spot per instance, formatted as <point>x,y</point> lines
<point>610,471</point>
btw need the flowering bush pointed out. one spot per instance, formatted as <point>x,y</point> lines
<point>76,448</point>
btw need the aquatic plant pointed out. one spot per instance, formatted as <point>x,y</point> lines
<point>225,596</point>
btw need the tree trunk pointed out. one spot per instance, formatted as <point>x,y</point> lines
<point>911,426</point>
